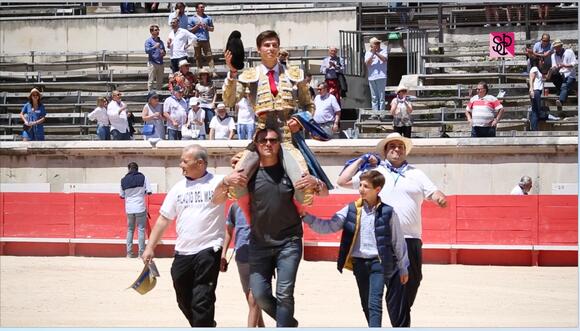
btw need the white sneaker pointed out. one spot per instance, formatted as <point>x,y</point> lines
<point>553,118</point>
<point>497,24</point>
<point>486,25</point>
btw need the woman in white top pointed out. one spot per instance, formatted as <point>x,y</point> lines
<point>536,89</point>
<point>100,115</point>
<point>401,110</point>
<point>246,125</point>
<point>195,119</point>
<point>206,92</point>
<point>153,114</point>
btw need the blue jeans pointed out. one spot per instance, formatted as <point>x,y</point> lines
<point>173,134</point>
<point>377,87</point>
<point>246,131</point>
<point>370,280</point>
<point>103,132</point>
<point>209,114</point>
<point>535,114</point>
<point>566,84</point>
<point>141,220</point>
<point>284,260</point>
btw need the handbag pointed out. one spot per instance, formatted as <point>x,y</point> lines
<point>148,129</point>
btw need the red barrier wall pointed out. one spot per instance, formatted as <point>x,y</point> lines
<point>468,220</point>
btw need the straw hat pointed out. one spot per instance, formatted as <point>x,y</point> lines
<point>34,90</point>
<point>401,88</point>
<point>395,136</point>
<point>183,62</point>
<point>557,43</point>
<point>375,40</point>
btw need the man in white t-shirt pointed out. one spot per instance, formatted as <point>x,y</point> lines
<point>221,126</point>
<point>197,203</point>
<point>117,112</point>
<point>523,187</point>
<point>405,189</point>
<point>246,118</point>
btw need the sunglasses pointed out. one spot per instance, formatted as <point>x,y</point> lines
<point>272,141</point>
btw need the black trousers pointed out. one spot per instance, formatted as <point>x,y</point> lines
<point>404,131</point>
<point>195,280</point>
<point>414,250</point>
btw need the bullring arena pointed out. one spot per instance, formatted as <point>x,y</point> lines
<point>491,259</point>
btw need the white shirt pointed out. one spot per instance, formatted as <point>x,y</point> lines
<point>538,82</point>
<point>222,128</point>
<point>200,223</point>
<point>118,121</point>
<point>198,115</point>
<point>181,38</point>
<point>517,190</point>
<point>405,193</point>
<point>567,58</point>
<point>99,115</point>
<point>177,110</point>
<point>245,112</point>
<point>377,69</point>
<point>326,108</point>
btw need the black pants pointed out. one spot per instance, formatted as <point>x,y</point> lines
<point>195,280</point>
<point>414,250</point>
<point>175,64</point>
<point>404,131</point>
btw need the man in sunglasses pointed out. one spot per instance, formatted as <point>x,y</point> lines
<point>275,226</point>
<point>483,112</point>
<point>155,50</point>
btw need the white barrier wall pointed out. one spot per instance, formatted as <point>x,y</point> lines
<point>457,166</point>
<point>297,27</point>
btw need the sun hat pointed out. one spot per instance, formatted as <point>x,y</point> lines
<point>193,101</point>
<point>375,40</point>
<point>401,88</point>
<point>557,42</point>
<point>394,137</point>
<point>183,62</point>
<point>34,90</point>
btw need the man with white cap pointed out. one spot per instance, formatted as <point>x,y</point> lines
<point>222,125</point>
<point>405,189</point>
<point>376,62</point>
<point>564,61</point>
<point>195,119</point>
<point>175,112</point>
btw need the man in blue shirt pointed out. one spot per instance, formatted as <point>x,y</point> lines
<point>201,25</point>
<point>155,49</point>
<point>179,13</point>
<point>543,49</point>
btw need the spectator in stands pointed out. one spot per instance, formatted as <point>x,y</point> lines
<point>175,112</point>
<point>127,7</point>
<point>197,204</point>
<point>246,118</point>
<point>184,78</point>
<point>33,115</point>
<point>206,92</point>
<point>237,221</point>
<point>153,115</point>
<point>283,57</point>
<point>131,120</point>
<point>179,40</point>
<point>99,114</point>
<point>201,25</point>
<point>401,110</point>
<point>179,14</point>
<point>331,67</point>
<point>376,62</point>
<point>195,119</point>
<point>543,49</point>
<point>543,13</point>
<point>536,90</point>
<point>222,125</point>
<point>327,111</point>
<point>489,11</point>
<point>483,112</point>
<point>134,188</point>
<point>155,50</point>
<point>117,112</point>
<point>523,187</point>
<point>152,7</point>
<point>518,10</point>
<point>373,246</point>
<point>405,189</point>
<point>564,61</point>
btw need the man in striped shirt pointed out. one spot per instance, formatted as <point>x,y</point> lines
<point>483,112</point>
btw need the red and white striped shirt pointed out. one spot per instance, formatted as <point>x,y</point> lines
<point>483,110</point>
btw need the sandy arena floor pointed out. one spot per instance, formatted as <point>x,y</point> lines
<point>90,292</point>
